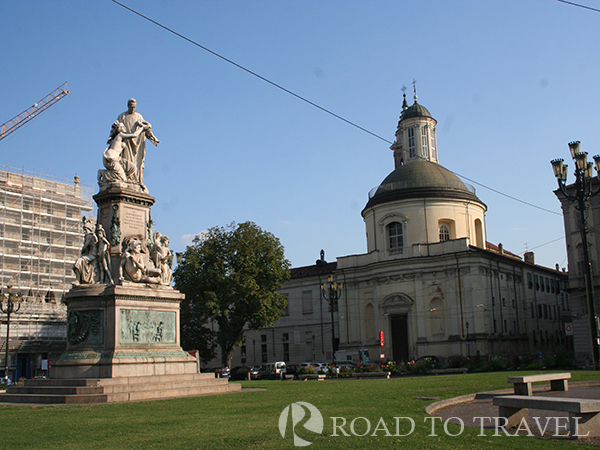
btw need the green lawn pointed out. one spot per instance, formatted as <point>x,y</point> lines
<point>250,419</point>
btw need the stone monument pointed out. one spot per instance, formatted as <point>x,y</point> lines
<point>122,312</point>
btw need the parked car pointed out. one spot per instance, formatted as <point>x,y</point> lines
<point>291,369</point>
<point>222,372</point>
<point>241,373</point>
<point>321,367</point>
<point>346,365</point>
<point>273,370</point>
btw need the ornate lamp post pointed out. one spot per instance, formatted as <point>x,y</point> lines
<point>582,192</point>
<point>331,292</point>
<point>11,305</point>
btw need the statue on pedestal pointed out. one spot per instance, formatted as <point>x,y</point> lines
<point>124,158</point>
<point>133,268</point>
<point>135,150</point>
<point>162,257</point>
<point>104,264</point>
<point>85,267</point>
<point>93,265</point>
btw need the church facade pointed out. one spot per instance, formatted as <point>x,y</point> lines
<point>429,280</point>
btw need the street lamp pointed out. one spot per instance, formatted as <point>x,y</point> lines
<point>583,191</point>
<point>12,305</point>
<point>331,292</point>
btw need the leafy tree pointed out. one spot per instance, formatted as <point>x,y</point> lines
<point>230,275</point>
<point>194,334</point>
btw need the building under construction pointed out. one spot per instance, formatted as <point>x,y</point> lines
<point>40,238</point>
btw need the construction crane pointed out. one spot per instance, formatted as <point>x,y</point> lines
<point>18,121</point>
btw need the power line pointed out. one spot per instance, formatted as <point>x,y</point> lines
<point>507,196</point>
<point>337,116</point>
<point>278,86</point>
<point>580,6</point>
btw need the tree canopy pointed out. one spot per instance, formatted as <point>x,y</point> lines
<point>230,275</point>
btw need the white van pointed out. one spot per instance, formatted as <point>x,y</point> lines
<point>273,370</point>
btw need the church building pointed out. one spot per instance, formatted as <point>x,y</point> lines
<point>429,280</point>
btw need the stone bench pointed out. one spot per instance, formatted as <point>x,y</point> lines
<point>584,414</point>
<point>523,385</point>
<point>447,371</point>
<point>360,375</point>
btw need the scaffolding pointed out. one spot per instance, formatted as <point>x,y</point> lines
<point>40,238</point>
<point>40,232</point>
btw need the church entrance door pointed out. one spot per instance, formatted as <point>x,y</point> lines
<point>399,325</point>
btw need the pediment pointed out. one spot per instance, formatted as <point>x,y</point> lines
<point>397,300</point>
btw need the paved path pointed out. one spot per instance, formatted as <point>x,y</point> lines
<point>482,406</point>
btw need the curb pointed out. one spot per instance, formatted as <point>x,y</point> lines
<point>470,397</point>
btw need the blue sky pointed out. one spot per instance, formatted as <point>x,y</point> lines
<point>509,82</point>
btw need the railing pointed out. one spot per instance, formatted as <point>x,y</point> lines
<point>397,185</point>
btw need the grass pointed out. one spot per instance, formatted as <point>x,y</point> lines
<point>250,419</point>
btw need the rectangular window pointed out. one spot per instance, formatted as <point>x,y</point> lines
<point>286,352</point>
<point>529,281</point>
<point>286,347</point>
<point>263,348</point>
<point>263,353</point>
<point>425,141</point>
<point>307,303</point>
<point>411,143</point>
<point>395,236</point>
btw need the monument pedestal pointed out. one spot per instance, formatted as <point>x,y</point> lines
<point>125,214</point>
<point>123,338</point>
<point>125,330</point>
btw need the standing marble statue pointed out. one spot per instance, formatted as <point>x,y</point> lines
<point>162,257</point>
<point>117,167</point>
<point>135,149</point>
<point>86,266</point>
<point>104,263</point>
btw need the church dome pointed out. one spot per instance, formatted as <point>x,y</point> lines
<point>416,110</point>
<point>419,179</point>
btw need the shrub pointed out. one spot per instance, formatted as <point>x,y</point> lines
<point>421,367</point>
<point>390,367</point>
<point>307,370</point>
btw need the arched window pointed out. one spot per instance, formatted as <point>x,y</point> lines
<point>412,151</point>
<point>444,232</point>
<point>395,236</point>
<point>425,141</point>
